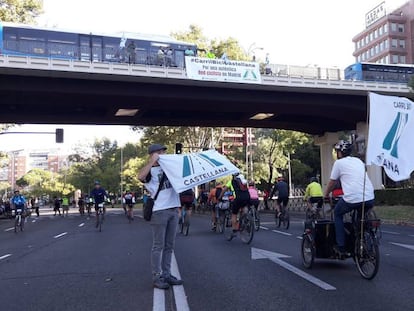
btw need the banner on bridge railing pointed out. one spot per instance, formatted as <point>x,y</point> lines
<point>222,70</point>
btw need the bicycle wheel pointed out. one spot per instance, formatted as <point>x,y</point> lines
<point>186,224</point>
<point>367,256</point>
<point>255,217</point>
<point>308,251</point>
<point>100,220</point>
<point>284,220</point>
<point>21,223</point>
<point>16,223</point>
<point>246,228</point>
<point>221,222</point>
<point>228,229</point>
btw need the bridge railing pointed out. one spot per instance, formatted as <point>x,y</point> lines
<point>122,69</point>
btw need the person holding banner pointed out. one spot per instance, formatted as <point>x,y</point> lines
<point>164,220</point>
<point>356,186</point>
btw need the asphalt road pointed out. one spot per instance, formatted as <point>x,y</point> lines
<point>66,264</point>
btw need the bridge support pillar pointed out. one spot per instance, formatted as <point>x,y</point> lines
<point>325,144</point>
<point>374,171</point>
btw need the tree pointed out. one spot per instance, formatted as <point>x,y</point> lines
<point>20,11</point>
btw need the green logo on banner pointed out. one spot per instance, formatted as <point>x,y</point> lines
<point>393,136</point>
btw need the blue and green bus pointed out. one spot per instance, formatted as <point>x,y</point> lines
<point>27,40</point>
<point>397,73</point>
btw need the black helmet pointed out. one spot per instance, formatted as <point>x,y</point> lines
<point>314,179</point>
<point>97,182</point>
<point>344,146</point>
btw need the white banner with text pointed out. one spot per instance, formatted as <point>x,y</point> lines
<point>223,70</point>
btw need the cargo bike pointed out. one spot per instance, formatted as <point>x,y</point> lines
<point>361,240</point>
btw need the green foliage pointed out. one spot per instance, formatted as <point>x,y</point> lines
<point>394,197</point>
<point>230,46</point>
<point>20,11</point>
<point>40,182</point>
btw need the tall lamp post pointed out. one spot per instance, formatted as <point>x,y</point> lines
<point>251,49</point>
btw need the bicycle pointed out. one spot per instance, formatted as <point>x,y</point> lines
<point>283,219</point>
<point>223,216</point>
<point>245,226</point>
<point>318,241</point>
<point>19,220</point>
<point>130,212</point>
<point>100,219</point>
<point>255,216</point>
<point>184,221</point>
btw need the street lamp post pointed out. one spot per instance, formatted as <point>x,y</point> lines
<point>253,48</point>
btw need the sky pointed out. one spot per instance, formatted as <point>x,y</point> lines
<point>300,32</point>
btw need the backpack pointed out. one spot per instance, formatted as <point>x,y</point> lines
<point>243,187</point>
<point>218,192</point>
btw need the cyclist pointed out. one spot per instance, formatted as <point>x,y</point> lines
<point>99,195</point>
<point>19,203</point>
<point>213,199</point>
<point>356,187</point>
<point>129,201</point>
<point>282,188</point>
<point>186,201</point>
<point>81,204</point>
<point>254,195</point>
<point>313,193</point>
<point>241,198</point>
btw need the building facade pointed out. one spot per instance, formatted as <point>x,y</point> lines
<point>388,38</point>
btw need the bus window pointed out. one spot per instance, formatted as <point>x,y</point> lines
<point>31,41</point>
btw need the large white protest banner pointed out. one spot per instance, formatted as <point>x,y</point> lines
<point>223,70</point>
<point>185,171</point>
<point>390,135</point>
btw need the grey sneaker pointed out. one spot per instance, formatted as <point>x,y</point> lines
<point>161,283</point>
<point>172,280</point>
<point>232,236</point>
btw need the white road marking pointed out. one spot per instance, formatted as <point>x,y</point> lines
<point>390,232</point>
<point>81,225</point>
<point>299,237</point>
<point>258,253</point>
<point>264,228</point>
<point>5,256</point>
<point>9,229</point>
<point>34,220</point>
<point>179,292</point>
<point>404,245</point>
<point>158,303</point>
<point>60,235</point>
<point>281,232</point>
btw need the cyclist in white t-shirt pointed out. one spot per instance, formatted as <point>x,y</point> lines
<point>356,186</point>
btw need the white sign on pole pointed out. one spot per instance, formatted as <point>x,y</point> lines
<point>222,70</point>
<point>390,142</point>
<point>186,171</point>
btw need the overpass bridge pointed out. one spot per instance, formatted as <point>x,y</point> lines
<point>44,90</point>
<point>54,91</point>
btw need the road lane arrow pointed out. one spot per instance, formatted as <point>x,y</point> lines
<point>404,245</point>
<point>258,253</point>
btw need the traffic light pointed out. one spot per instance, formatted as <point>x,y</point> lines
<point>59,135</point>
<point>178,148</point>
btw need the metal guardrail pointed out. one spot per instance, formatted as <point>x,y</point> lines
<point>121,69</point>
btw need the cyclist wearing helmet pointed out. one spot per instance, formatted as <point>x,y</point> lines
<point>282,189</point>
<point>350,171</point>
<point>313,193</point>
<point>99,195</point>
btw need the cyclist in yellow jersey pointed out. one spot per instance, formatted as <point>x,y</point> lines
<point>313,193</point>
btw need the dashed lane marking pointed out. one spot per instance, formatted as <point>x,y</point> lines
<point>60,235</point>
<point>281,232</point>
<point>5,256</point>
<point>9,229</point>
<point>81,225</point>
<point>390,232</point>
<point>264,228</point>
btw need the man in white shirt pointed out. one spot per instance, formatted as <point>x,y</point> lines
<point>164,220</point>
<point>356,186</point>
